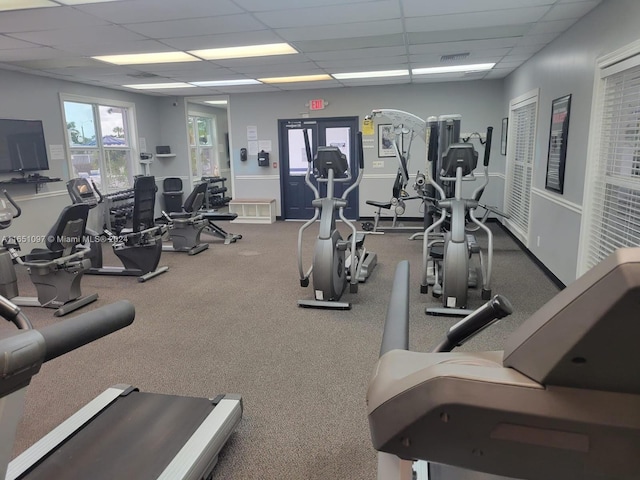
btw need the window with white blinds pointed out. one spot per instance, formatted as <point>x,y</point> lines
<point>613,210</point>
<point>520,154</point>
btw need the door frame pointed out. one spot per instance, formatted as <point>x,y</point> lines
<point>317,124</point>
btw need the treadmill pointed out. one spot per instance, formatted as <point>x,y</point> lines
<point>122,433</point>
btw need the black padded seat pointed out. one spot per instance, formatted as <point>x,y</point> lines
<point>385,205</point>
<point>219,216</point>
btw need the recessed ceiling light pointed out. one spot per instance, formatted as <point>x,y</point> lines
<point>297,78</point>
<point>244,52</point>
<point>159,86</point>
<point>226,83</point>
<point>81,2</point>
<point>216,102</point>
<point>25,4</point>
<point>453,68</point>
<point>147,58</point>
<point>378,74</point>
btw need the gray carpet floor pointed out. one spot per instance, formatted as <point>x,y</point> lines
<point>227,320</point>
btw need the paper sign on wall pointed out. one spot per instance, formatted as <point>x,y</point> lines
<point>56,152</point>
<point>252,147</point>
<point>252,132</point>
<point>264,145</point>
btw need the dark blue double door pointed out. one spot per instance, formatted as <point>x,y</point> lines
<point>296,196</point>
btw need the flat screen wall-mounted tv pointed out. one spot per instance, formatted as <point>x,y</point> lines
<point>22,146</point>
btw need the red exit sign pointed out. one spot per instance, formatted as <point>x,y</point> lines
<point>316,104</point>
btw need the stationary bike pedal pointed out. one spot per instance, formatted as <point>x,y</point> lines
<point>367,226</point>
<point>424,288</point>
<point>353,288</point>
<point>304,282</point>
<point>486,294</point>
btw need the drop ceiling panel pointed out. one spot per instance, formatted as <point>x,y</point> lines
<point>375,81</point>
<point>85,34</point>
<point>363,64</point>
<point>351,43</point>
<point>141,11</point>
<point>274,69</point>
<point>107,48</point>
<point>45,19</point>
<point>223,40</point>
<point>512,16</point>
<point>27,54</point>
<point>347,30</point>
<point>356,53</point>
<point>330,15</point>
<point>570,10</point>
<point>417,8</point>
<point>270,60</point>
<point>466,46</point>
<point>473,57</point>
<point>456,35</point>
<point>555,26</point>
<point>269,5</point>
<point>8,43</point>
<point>538,39</point>
<point>310,85</point>
<point>197,26</point>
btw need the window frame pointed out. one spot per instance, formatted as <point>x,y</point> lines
<point>130,125</point>
<point>213,145</point>
<point>608,65</point>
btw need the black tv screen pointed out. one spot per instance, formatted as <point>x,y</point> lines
<point>22,146</point>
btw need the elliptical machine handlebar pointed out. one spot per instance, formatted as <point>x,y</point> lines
<point>95,189</point>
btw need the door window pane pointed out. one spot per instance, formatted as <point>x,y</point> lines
<point>297,151</point>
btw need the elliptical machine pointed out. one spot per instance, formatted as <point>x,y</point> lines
<point>332,268</point>
<point>448,254</point>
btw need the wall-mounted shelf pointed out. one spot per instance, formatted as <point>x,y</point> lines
<point>38,182</point>
<point>165,155</point>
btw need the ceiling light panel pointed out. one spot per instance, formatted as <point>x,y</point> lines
<point>478,67</point>
<point>147,58</point>
<point>6,5</point>
<point>216,102</point>
<point>376,74</point>
<point>296,78</point>
<point>159,86</point>
<point>226,83</point>
<point>246,51</point>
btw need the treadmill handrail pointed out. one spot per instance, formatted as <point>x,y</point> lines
<point>396,326</point>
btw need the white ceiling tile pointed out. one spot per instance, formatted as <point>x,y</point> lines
<point>512,16</point>
<point>268,5</point>
<point>310,85</point>
<point>456,35</point>
<point>85,34</point>
<point>202,42</point>
<point>271,60</point>
<point>356,53</point>
<point>352,43</point>
<point>7,43</point>
<point>363,29</point>
<point>540,39</point>
<point>528,50</point>
<point>570,10</point>
<point>458,47</point>
<point>197,26</point>
<point>362,82</point>
<point>516,58</point>
<point>107,48</point>
<point>45,19</point>
<point>363,64</point>
<point>510,64</point>
<point>273,70</point>
<point>28,54</point>
<point>556,26</point>
<point>473,56</point>
<point>331,14</point>
<point>418,8</point>
<point>141,11</point>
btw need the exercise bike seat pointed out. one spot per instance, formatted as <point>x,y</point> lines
<point>385,205</point>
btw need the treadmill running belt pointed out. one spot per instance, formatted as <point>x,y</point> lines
<point>136,437</point>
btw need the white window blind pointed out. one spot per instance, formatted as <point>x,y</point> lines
<point>614,210</point>
<point>520,153</point>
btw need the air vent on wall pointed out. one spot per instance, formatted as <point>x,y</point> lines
<point>142,75</point>
<point>455,57</point>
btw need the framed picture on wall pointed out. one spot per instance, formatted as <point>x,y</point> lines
<point>558,134</point>
<point>503,136</point>
<point>386,136</point>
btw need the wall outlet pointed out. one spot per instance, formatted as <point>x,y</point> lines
<point>378,164</point>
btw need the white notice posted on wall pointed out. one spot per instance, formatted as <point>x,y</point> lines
<point>252,132</point>
<point>56,152</point>
<point>264,145</point>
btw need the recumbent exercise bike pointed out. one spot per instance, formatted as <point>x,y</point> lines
<point>332,269</point>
